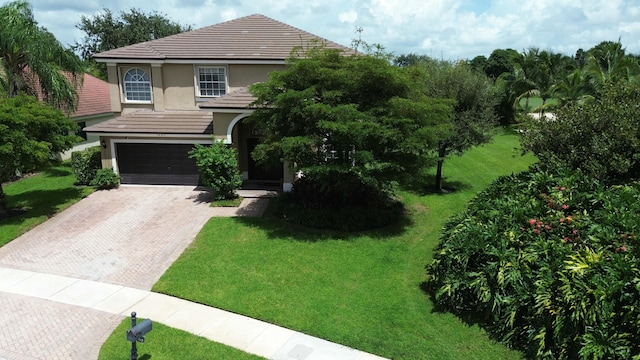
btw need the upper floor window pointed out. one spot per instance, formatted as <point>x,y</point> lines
<point>137,85</point>
<point>212,81</point>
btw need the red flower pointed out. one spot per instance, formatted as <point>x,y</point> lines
<point>623,248</point>
<point>536,231</point>
<point>547,227</point>
<point>532,222</point>
<point>564,206</point>
<point>563,188</point>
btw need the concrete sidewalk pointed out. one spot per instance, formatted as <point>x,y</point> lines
<point>117,302</point>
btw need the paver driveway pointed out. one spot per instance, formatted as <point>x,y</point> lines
<point>128,236</point>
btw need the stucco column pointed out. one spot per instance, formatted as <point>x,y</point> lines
<point>114,87</point>
<point>158,88</point>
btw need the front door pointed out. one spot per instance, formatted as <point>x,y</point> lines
<point>257,172</point>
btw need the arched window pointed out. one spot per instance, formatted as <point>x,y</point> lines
<point>137,85</point>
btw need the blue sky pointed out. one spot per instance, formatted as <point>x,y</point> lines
<point>447,29</point>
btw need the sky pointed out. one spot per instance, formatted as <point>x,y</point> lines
<point>442,29</point>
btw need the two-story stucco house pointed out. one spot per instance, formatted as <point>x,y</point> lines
<point>173,92</point>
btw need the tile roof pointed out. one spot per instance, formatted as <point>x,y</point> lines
<point>238,99</point>
<point>93,97</point>
<point>157,122</point>
<point>253,37</point>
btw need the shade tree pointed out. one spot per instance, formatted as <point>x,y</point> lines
<point>352,125</point>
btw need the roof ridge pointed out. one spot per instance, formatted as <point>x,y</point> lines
<point>254,36</point>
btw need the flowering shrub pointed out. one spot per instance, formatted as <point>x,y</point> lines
<point>548,264</point>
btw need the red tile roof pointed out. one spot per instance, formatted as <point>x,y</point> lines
<point>253,37</point>
<point>93,97</point>
<point>157,122</point>
<point>238,99</point>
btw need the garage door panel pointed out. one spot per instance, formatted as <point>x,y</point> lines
<point>156,164</point>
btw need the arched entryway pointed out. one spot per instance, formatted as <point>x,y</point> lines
<point>247,137</point>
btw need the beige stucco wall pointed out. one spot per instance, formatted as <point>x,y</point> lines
<point>179,88</point>
<point>221,122</point>
<point>244,75</point>
<point>173,85</point>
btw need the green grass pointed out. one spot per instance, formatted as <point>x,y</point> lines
<point>42,196</point>
<point>534,102</point>
<point>362,290</point>
<point>227,202</point>
<point>166,343</point>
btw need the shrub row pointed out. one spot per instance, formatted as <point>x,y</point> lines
<point>548,264</point>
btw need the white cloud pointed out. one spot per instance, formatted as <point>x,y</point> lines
<point>448,28</point>
<point>348,16</point>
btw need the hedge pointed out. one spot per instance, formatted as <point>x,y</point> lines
<point>547,264</point>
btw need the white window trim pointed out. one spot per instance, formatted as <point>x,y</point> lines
<point>196,79</point>
<point>123,72</point>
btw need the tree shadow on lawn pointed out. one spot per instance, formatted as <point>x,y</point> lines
<point>40,202</point>
<point>425,185</point>
<point>278,228</point>
<point>36,203</point>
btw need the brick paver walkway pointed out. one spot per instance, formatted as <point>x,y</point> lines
<point>128,236</point>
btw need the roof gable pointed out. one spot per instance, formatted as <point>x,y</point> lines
<point>253,37</point>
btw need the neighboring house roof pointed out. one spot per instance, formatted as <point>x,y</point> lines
<point>238,99</point>
<point>93,94</point>
<point>93,97</point>
<point>157,122</point>
<point>253,37</point>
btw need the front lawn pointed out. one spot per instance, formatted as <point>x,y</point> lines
<point>361,290</point>
<point>167,343</point>
<point>40,196</point>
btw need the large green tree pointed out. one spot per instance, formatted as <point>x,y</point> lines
<point>32,61</point>
<point>500,61</point>
<point>104,31</point>
<point>601,138</point>
<point>474,110</point>
<point>30,133</point>
<point>351,124</point>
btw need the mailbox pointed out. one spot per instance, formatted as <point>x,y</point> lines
<point>138,332</point>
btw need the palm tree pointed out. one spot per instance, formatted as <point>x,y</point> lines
<point>573,88</point>
<point>608,62</point>
<point>539,71</point>
<point>32,61</point>
<point>526,71</point>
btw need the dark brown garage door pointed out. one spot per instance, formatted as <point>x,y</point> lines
<point>156,164</point>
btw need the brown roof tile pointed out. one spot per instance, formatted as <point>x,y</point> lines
<point>238,99</point>
<point>93,97</point>
<point>253,37</point>
<point>157,122</point>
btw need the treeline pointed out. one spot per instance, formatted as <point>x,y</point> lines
<point>544,74</point>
